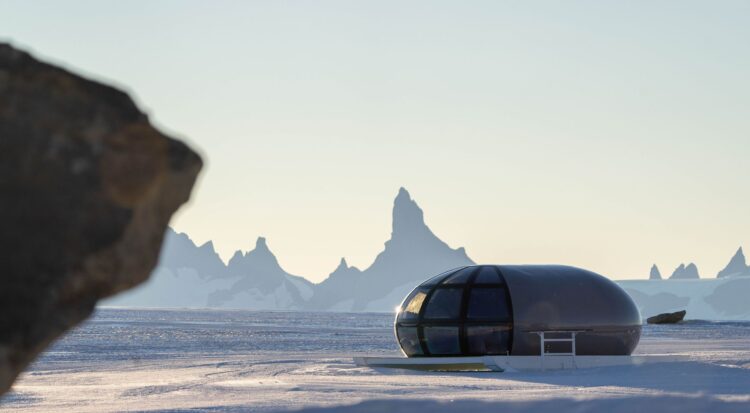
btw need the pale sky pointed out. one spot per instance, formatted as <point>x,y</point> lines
<point>608,135</point>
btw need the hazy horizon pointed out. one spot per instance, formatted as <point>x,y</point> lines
<point>609,136</point>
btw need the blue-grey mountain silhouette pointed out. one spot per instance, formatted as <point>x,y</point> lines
<point>654,274</point>
<point>194,276</point>
<point>186,274</point>
<point>260,282</point>
<point>652,304</point>
<point>731,298</point>
<point>180,253</point>
<point>736,267</point>
<point>683,272</point>
<point>337,288</point>
<point>412,254</point>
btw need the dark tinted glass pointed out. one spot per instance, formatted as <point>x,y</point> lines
<point>460,277</point>
<point>487,275</point>
<point>563,334</point>
<point>488,340</point>
<point>409,341</point>
<point>439,278</point>
<point>442,340</point>
<point>444,304</point>
<point>412,305</point>
<point>558,347</point>
<point>487,303</point>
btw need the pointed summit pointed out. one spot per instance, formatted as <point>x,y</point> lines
<point>261,256</point>
<point>262,252</point>
<point>237,256</point>
<point>408,217</point>
<point>344,271</point>
<point>412,253</point>
<point>180,252</point>
<point>342,265</point>
<point>691,271</point>
<point>208,246</point>
<point>737,266</point>
<point>655,273</point>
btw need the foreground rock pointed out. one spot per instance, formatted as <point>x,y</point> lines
<point>667,318</point>
<point>87,188</point>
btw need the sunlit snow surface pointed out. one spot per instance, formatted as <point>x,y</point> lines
<point>236,361</point>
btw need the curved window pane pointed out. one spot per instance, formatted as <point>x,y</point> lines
<point>488,340</point>
<point>460,277</point>
<point>440,277</point>
<point>487,303</point>
<point>442,340</point>
<point>409,341</point>
<point>413,304</point>
<point>487,275</point>
<point>444,303</point>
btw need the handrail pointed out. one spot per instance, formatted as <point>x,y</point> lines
<point>571,340</point>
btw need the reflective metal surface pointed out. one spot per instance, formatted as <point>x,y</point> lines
<point>500,309</point>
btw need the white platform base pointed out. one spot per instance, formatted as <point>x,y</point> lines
<point>510,363</point>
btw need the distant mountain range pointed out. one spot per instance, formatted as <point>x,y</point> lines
<point>720,298</point>
<point>737,267</point>
<point>195,276</point>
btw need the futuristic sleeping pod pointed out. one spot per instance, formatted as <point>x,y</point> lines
<point>516,310</point>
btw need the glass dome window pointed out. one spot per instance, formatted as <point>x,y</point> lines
<point>466,311</point>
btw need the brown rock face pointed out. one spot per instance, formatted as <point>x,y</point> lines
<point>87,188</point>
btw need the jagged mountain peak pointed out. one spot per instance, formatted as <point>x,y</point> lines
<point>180,252</point>
<point>259,257</point>
<point>237,255</point>
<point>407,215</point>
<point>208,246</point>
<point>261,250</point>
<point>344,270</point>
<point>412,255</point>
<point>683,271</point>
<point>180,236</point>
<point>411,235</point>
<point>255,279</point>
<point>736,266</point>
<point>655,274</point>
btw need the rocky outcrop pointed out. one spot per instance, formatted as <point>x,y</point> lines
<point>87,189</point>
<point>655,274</point>
<point>737,266</point>
<point>689,272</point>
<point>667,318</point>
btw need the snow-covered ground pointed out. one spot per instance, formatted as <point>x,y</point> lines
<point>236,361</point>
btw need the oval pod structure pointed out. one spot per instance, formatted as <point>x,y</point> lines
<point>507,309</point>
